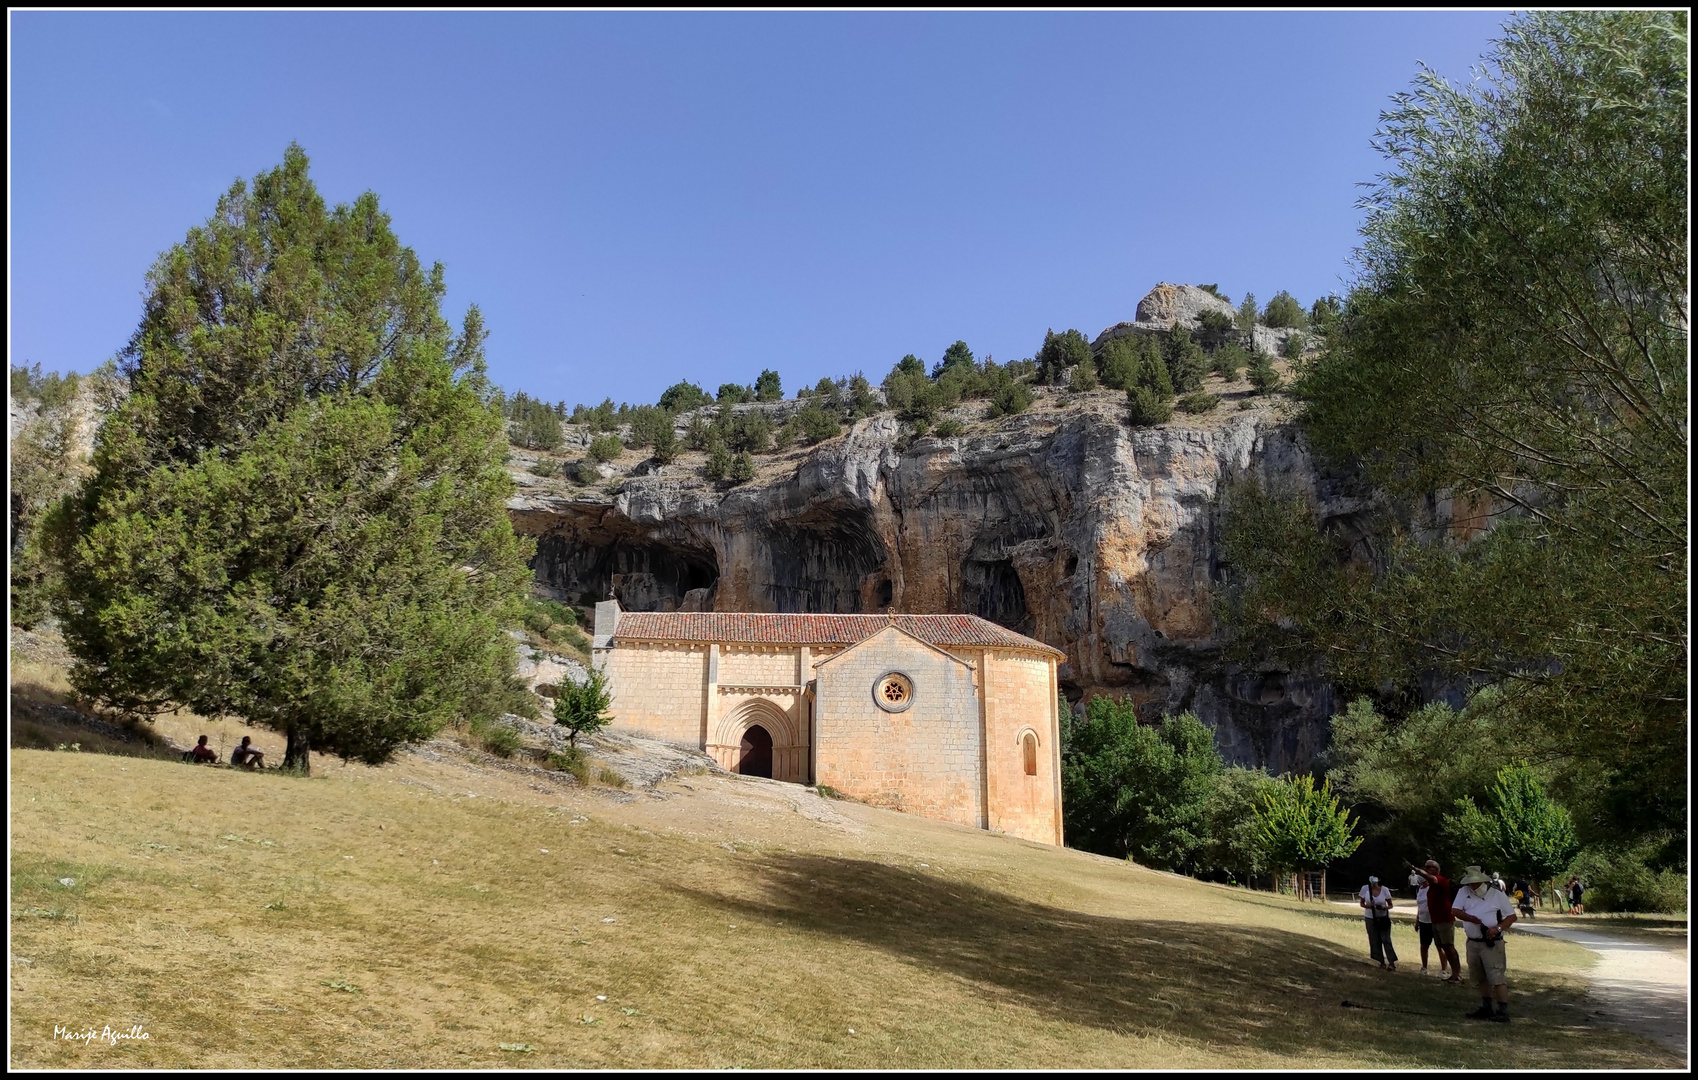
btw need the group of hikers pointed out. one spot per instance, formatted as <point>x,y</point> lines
<point>1484,907</point>
<point>247,755</point>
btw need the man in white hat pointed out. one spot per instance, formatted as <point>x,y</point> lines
<point>1485,913</point>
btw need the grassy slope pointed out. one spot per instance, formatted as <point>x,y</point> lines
<point>751,924</point>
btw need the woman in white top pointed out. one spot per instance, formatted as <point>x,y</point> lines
<point>1424,920</point>
<point>1376,914</point>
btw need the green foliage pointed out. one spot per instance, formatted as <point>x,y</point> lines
<point>1284,310</point>
<point>1229,361</point>
<point>949,428</point>
<point>1138,791</point>
<point>1198,403</point>
<point>735,394</point>
<point>683,396</point>
<point>584,472</point>
<point>697,433</point>
<point>818,423</point>
<point>498,738</point>
<point>1415,768</point>
<point>788,433</point>
<point>532,424</point>
<point>1214,290</point>
<point>1247,315</point>
<point>957,356</point>
<point>313,538</point>
<point>1186,361</point>
<point>649,423</point>
<point>1060,352</point>
<point>1214,329</point>
<point>1119,364</point>
<point>1324,314</point>
<point>1082,377</point>
<point>1262,374</point>
<point>1302,827</point>
<point>1292,347</point>
<point>572,762</point>
<point>1518,342</point>
<point>1011,398</point>
<point>1624,878</point>
<point>719,458</point>
<point>1146,408</point>
<point>913,396</point>
<point>749,430</point>
<point>1234,845</point>
<point>861,401</point>
<point>603,417</point>
<point>768,387</point>
<point>665,449</point>
<point>742,468</point>
<point>1521,830</point>
<point>582,707</point>
<point>605,448</point>
<point>50,391</point>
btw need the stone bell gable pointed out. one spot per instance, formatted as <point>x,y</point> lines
<point>947,716</point>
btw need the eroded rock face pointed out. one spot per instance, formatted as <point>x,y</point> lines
<point>1068,526</point>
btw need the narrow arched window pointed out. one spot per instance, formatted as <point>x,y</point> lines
<point>1029,751</point>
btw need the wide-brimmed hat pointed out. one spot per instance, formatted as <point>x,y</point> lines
<point>1473,876</point>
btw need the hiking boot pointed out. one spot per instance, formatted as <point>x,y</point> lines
<point>1484,1012</point>
<point>1500,1018</point>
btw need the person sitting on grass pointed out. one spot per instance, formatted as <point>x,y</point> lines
<point>203,754</point>
<point>248,756</point>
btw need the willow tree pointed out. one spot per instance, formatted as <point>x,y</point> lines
<point>1515,348</point>
<point>297,516</point>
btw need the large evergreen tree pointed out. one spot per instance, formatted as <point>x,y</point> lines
<point>297,516</point>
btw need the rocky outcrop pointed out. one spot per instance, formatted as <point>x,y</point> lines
<point>1061,523</point>
<point>1168,305</point>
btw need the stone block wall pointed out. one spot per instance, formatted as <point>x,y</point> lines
<point>926,759</point>
<point>659,690</point>
<point>1020,697</point>
<point>759,665</point>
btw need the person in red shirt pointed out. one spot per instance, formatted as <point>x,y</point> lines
<point>1440,894</point>
<point>202,752</point>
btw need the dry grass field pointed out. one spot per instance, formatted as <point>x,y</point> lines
<point>440,913</point>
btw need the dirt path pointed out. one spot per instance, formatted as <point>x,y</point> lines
<point>1644,988</point>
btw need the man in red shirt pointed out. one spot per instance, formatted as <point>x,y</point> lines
<point>1440,894</point>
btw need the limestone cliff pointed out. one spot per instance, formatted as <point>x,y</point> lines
<point>1063,523</point>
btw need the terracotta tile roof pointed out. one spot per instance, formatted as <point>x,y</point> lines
<point>745,628</point>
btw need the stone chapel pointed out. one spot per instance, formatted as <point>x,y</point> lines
<point>946,716</point>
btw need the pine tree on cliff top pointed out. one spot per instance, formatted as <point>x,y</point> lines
<point>297,517</point>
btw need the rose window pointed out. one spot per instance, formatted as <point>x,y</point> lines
<point>894,692</point>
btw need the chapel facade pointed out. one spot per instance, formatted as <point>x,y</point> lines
<point>946,716</point>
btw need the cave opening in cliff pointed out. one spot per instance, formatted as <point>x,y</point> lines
<point>992,590</point>
<point>641,576</point>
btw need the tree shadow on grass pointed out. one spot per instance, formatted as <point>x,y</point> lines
<point>1222,985</point>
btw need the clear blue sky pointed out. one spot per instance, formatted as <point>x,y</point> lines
<point>639,198</point>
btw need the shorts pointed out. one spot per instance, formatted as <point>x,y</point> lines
<point>1444,934</point>
<point>1487,966</point>
<point>1424,931</point>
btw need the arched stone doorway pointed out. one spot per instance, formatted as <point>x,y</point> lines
<point>754,756</point>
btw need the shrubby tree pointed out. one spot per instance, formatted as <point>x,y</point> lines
<point>1060,352</point>
<point>817,423</point>
<point>1138,791</point>
<point>1302,827</point>
<point>1214,329</point>
<point>1284,310</point>
<point>1146,408</point>
<point>742,468</point>
<point>1248,315</point>
<point>684,396</point>
<point>956,356</point>
<point>1521,828</point>
<point>768,387</point>
<point>647,424</point>
<point>582,707</point>
<point>734,394</point>
<point>1229,362</point>
<point>532,424</point>
<point>1262,374</point>
<point>298,514</point>
<point>1186,361</point>
<point>606,448</point>
<point>1234,845</point>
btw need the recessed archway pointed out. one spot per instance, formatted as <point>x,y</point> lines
<point>754,755</point>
